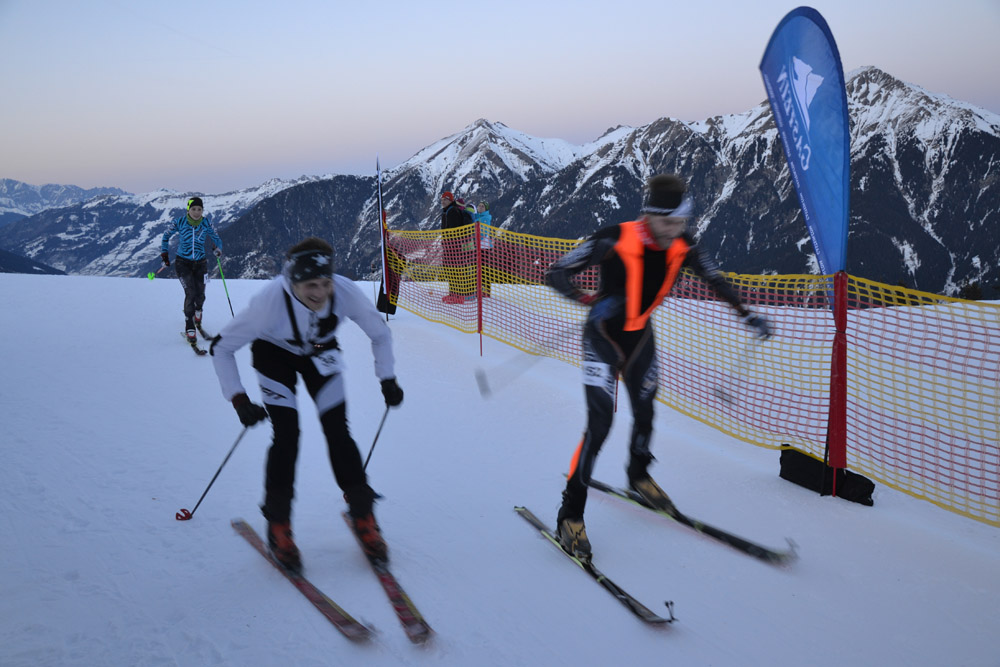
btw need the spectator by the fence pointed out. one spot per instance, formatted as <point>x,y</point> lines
<point>451,218</point>
<point>451,214</point>
<point>467,211</point>
<point>639,262</point>
<point>484,217</point>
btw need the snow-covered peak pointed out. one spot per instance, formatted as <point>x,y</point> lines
<point>17,197</point>
<point>236,200</point>
<point>460,158</point>
<point>876,97</point>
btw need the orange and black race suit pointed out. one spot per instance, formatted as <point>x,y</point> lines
<point>618,338</point>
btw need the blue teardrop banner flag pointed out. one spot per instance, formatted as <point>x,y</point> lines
<point>805,86</point>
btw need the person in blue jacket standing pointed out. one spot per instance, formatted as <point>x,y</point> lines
<point>484,217</point>
<point>190,262</point>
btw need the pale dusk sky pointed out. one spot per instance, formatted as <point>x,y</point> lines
<point>216,96</point>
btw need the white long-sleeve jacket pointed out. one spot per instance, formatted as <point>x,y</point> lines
<point>267,318</point>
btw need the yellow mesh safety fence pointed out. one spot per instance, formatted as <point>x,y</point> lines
<point>924,395</point>
<point>923,385</point>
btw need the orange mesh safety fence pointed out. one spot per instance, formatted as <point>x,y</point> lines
<point>923,381</point>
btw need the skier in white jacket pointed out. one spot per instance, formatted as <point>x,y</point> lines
<point>291,325</point>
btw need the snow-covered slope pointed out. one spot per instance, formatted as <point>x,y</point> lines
<point>107,434</point>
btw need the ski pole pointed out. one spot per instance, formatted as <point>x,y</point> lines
<point>504,374</point>
<point>741,365</point>
<point>219,260</point>
<point>185,515</point>
<point>152,275</point>
<point>377,433</point>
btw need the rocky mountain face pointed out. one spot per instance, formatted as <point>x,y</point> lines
<point>925,196</point>
<point>925,188</point>
<point>330,209</point>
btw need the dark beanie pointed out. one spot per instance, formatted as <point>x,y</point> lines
<point>195,201</point>
<point>665,192</point>
<point>310,264</point>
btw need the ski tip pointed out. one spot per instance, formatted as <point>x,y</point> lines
<point>792,554</point>
<point>418,631</point>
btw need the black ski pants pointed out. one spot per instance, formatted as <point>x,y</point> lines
<point>278,371</point>
<point>631,354</point>
<point>191,273</point>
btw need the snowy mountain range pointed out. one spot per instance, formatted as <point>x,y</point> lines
<point>119,234</point>
<point>19,200</point>
<point>925,196</point>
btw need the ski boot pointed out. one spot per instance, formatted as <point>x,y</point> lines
<point>650,491</point>
<point>371,538</point>
<point>572,534</point>
<point>279,538</point>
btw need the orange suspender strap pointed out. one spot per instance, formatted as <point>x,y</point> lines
<point>575,461</point>
<point>630,248</point>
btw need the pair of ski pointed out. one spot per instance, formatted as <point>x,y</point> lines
<point>416,628</point>
<point>193,342</point>
<point>766,554</point>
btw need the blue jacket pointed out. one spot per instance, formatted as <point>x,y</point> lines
<point>192,241</point>
<point>485,218</point>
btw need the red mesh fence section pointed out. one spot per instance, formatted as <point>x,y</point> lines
<point>924,395</point>
<point>923,370</point>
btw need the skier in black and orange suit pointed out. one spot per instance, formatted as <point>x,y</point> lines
<point>639,262</point>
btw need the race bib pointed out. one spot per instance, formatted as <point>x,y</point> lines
<point>595,373</point>
<point>328,362</point>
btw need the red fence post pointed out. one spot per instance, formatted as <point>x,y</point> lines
<point>479,288</point>
<point>836,434</point>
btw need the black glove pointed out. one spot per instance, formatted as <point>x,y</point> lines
<point>250,413</point>
<point>166,258</point>
<point>758,323</point>
<point>393,394</point>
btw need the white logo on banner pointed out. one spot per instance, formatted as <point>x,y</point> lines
<point>797,90</point>
<point>805,83</point>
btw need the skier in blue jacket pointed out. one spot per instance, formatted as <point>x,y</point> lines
<point>190,262</point>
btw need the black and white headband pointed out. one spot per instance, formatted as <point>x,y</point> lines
<point>310,264</point>
<point>682,210</point>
